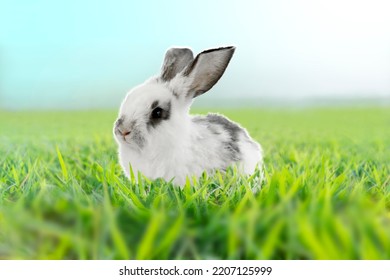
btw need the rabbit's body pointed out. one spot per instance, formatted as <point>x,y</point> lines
<point>206,146</point>
<point>158,137</point>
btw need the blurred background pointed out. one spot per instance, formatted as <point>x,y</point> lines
<point>65,66</point>
<point>88,54</point>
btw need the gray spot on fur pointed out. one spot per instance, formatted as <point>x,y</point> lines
<point>175,94</point>
<point>138,138</point>
<point>233,149</point>
<point>213,121</point>
<point>136,135</point>
<point>214,130</point>
<point>119,121</point>
<point>154,104</point>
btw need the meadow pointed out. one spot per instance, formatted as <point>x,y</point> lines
<point>326,193</point>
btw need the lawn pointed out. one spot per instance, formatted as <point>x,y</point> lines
<point>326,193</point>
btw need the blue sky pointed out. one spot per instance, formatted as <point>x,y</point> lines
<point>88,54</point>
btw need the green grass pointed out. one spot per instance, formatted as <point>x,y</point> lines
<point>326,195</point>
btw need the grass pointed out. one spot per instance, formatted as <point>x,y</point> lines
<point>326,195</point>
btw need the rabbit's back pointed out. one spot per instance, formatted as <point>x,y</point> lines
<point>230,142</point>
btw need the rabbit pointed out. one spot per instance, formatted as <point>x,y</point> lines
<point>156,134</point>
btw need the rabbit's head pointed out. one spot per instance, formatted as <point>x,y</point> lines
<point>158,109</point>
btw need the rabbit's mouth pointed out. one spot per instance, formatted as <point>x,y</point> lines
<point>123,136</point>
<point>132,139</point>
<point>122,133</point>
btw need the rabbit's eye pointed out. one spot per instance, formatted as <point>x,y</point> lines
<point>157,113</point>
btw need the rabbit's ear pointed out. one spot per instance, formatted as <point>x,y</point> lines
<point>207,68</point>
<point>176,59</point>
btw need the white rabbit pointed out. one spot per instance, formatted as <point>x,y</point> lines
<point>157,136</point>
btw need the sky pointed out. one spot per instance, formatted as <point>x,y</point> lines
<point>88,54</point>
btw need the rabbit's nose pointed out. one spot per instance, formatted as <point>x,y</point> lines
<point>124,132</point>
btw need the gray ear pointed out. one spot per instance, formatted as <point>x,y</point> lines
<point>207,68</point>
<point>176,59</point>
